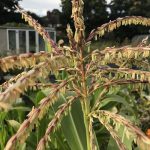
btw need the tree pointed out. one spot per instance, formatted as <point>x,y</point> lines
<point>119,8</point>
<point>54,17</point>
<point>7,11</point>
<point>66,10</point>
<point>8,6</point>
<point>89,104</point>
<point>95,12</point>
<point>140,8</point>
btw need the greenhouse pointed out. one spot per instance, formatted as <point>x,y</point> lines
<point>16,40</point>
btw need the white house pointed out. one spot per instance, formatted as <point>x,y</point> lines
<point>16,40</point>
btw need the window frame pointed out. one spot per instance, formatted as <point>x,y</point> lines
<point>27,39</point>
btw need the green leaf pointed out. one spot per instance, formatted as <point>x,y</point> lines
<point>48,47</point>
<point>126,139</point>
<point>115,99</point>
<point>74,129</point>
<point>112,145</point>
<point>14,124</point>
<point>96,140</point>
<point>122,132</point>
<point>95,96</point>
<point>21,108</point>
<point>40,95</point>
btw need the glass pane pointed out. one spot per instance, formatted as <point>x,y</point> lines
<point>51,34</point>
<point>41,44</point>
<point>32,42</point>
<point>12,40</point>
<point>22,41</point>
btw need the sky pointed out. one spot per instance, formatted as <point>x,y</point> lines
<point>40,7</point>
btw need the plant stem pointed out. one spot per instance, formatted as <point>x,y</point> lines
<point>86,107</point>
<point>86,121</point>
<point>79,37</point>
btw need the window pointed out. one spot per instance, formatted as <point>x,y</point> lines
<point>41,43</point>
<point>22,41</point>
<point>32,41</point>
<point>12,40</point>
<point>51,34</point>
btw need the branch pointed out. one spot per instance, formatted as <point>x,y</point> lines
<point>11,81</point>
<point>35,86</point>
<point>41,70</point>
<point>120,55</point>
<point>128,63</point>
<point>23,60</point>
<point>112,25</point>
<point>32,86</point>
<point>135,74</point>
<point>51,126</point>
<point>126,49</point>
<point>123,82</point>
<point>127,52</point>
<point>33,23</point>
<point>141,138</point>
<point>115,83</point>
<point>71,37</point>
<point>42,86</point>
<point>33,117</point>
<point>109,84</point>
<point>93,145</point>
<point>113,133</point>
<point>77,15</point>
